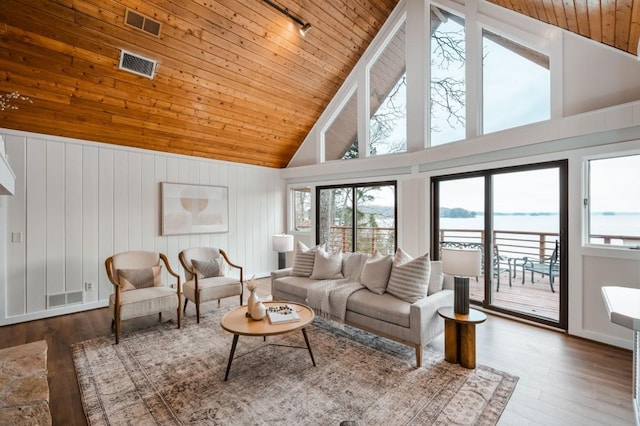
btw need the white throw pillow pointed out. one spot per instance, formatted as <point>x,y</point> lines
<point>303,260</point>
<point>353,264</point>
<point>436,281</point>
<point>409,280</point>
<point>327,265</point>
<point>375,274</point>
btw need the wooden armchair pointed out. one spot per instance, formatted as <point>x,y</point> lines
<point>205,276</point>
<point>138,290</point>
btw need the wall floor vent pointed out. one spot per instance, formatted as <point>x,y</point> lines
<point>137,64</point>
<point>62,299</point>
<point>141,22</point>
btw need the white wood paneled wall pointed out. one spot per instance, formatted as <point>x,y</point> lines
<point>76,203</point>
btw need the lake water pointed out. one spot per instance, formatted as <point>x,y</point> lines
<point>617,224</point>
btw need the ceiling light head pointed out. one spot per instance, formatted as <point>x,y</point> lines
<point>304,29</point>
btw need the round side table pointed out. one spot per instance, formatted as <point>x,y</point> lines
<point>460,335</point>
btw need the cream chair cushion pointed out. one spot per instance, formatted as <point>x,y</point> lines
<point>145,301</point>
<point>212,288</point>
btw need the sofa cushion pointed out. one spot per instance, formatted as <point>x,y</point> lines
<point>375,274</point>
<point>383,307</point>
<point>327,265</point>
<point>303,260</point>
<point>132,279</point>
<point>436,280</point>
<point>206,268</point>
<point>296,286</point>
<point>409,279</point>
<point>352,265</point>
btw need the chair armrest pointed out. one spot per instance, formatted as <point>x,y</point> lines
<point>233,265</point>
<point>171,271</point>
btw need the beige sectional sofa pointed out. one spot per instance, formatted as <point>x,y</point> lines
<point>380,305</point>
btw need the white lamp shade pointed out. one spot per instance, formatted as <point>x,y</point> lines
<point>461,262</point>
<point>282,243</point>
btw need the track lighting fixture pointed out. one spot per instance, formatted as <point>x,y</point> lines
<point>304,26</point>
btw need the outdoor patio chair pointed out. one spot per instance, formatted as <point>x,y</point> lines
<point>499,267</point>
<point>204,271</point>
<point>548,266</point>
<point>138,289</point>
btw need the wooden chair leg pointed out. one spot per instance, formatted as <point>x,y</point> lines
<point>185,305</point>
<point>198,313</point>
<point>113,324</point>
<point>240,300</point>
<point>117,328</point>
<point>178,315</point>
<point>159,316</point>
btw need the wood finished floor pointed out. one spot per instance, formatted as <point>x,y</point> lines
<point>563,380</point>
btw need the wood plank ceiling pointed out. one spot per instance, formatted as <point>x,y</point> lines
<point>235,81</point>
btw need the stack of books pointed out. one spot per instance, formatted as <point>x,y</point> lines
<point>282,314</point>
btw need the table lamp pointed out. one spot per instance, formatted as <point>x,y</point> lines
<point>282,244</point>
<point>462,264</point>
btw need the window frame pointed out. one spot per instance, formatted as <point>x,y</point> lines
<point>586,201</point>
<point>353,187</point>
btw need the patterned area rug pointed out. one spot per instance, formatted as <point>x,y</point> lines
<point>165,376</point>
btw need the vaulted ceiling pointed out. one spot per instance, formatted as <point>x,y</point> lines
<point>234,79</point>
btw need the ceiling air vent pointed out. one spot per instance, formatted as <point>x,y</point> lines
<point>142,22</point>
<point>137,64</point>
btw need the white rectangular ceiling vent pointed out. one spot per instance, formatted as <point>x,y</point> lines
<point>137,64</point>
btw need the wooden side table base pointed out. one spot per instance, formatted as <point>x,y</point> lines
<point>460,336</point>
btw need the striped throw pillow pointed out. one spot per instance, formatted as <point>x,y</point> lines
<point>303,260</point>
<point>409,280</point>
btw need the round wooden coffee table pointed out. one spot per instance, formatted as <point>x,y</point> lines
<point>460,335</point>
<point>237,323</point>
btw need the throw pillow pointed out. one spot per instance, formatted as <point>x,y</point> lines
<point>409,280</point>
<point>303,260</point>
<point>352,265</point>
<point>133,279</point>
<point>327,265</point>
<point>436,280</point>
<point>206,268</point>
<point>375,273</point>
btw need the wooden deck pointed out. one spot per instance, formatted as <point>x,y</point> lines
<point>534,299</point>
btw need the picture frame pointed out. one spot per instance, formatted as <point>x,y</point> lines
<point>194,209</point>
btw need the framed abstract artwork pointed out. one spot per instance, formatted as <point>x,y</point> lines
<point>194,209</point>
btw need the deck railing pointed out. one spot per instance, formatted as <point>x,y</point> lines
<point>512,244</point>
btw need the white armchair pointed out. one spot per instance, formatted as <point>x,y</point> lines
<point>139,291</point>
<point>205,276</point>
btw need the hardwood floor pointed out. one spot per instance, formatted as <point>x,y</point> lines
<point>563,380</point>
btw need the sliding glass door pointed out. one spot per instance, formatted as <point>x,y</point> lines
<point>518,218</point>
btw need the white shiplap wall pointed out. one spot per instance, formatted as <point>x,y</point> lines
<point>76,203</point>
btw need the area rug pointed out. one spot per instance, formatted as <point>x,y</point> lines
<point>164,376</point>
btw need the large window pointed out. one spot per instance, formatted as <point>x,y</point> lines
<point>516,84</point>
<point>388,100</point>
<point>341,137</point>
<point>613,201</point>
<point>448,88</point>
<point>358,217</point>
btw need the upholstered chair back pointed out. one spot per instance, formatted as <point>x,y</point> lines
<point>133,260</point>
<point>199,253</point>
